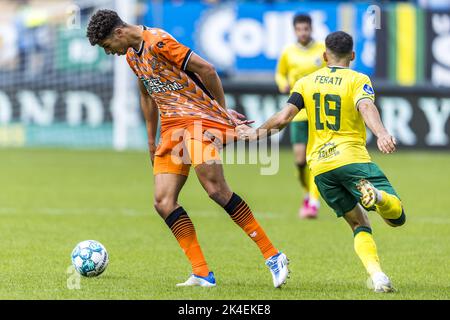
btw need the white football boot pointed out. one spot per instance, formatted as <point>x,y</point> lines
<point>194,280</point>
<point>278,266</point>
<point>381,283</point>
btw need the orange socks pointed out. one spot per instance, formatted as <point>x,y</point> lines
<point>241,214</point>
<point>183,230</point>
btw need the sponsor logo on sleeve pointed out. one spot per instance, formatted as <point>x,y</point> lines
<point>368,89</point>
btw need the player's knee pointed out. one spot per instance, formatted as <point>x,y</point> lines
<point>164,206</point>
<point>218,193</point>
<point>357,218</point>
<point>214,192</point>
<point>300,153</point>
<point>300,164</point>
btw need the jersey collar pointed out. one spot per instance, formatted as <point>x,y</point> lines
<point>334,68</point>
<point>309,45</point>
<point>141,48</point>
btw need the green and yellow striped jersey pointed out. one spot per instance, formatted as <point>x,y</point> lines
<point>297,61</point>
<point>337,132</point>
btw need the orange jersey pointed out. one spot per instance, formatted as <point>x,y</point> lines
<point>161,66</point>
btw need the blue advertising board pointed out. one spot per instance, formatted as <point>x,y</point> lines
<point>243,37</point>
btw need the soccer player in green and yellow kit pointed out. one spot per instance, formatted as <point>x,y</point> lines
<point>339,103</point>
<point>296,61</point>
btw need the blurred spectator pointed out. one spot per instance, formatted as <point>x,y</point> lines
<point>8,47</point>
<point>33,39</point>
<point>434,4</point>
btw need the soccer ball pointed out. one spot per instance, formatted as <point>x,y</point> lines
<point>90,258</point>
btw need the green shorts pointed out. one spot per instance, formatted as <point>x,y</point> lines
<point>299,132</point>
<point>338,186</point>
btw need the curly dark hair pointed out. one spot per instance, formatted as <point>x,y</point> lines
<point>302,18</point>
<point>340,43</point>
<point>101,24</point>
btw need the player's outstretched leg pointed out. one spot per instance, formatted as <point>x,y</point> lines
<point>366,249</point>
<point>388,206</point>
<point>242,215</point>
<point>212,179</point>
<point>302,176</point>
<point>299,150</point>
<point>167,188</point>
<point>312,209</point>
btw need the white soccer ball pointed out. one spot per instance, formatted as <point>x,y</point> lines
<point>90,258</point>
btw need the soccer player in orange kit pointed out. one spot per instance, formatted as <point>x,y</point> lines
<point>187,94</point>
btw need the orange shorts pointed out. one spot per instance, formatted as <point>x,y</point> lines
<point>187,142</point>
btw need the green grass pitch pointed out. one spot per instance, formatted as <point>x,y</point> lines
<point>52,199</point>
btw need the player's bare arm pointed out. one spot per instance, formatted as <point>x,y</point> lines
<point>386,143</point>
<point>209,77</point>
<point>212,82</point>
<point>277,122</point>
<point>150,112</point>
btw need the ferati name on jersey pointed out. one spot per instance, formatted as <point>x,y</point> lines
<point>330,80</point>
<point>155,85</point>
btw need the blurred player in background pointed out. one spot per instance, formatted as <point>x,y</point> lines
<point>340,103</point>
<point>187,94</point>
<point>296,61</point>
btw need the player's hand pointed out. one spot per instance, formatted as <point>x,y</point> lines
<point>244,132</point>
<point>386,143</point>
<point>239,118</point>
